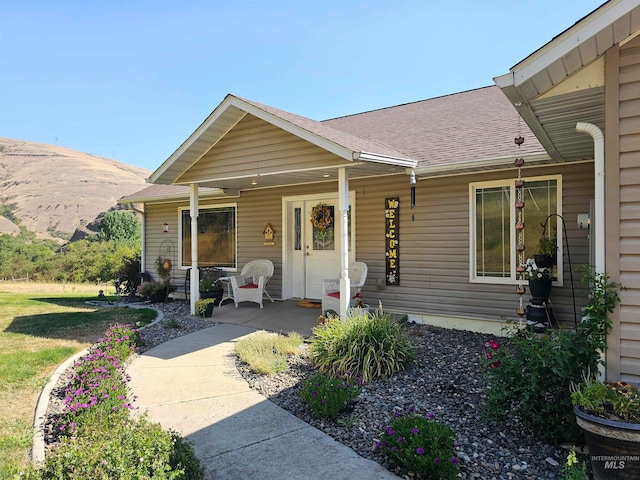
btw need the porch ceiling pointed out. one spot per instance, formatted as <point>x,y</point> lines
<point>553,117</point>
<point>296,177</point>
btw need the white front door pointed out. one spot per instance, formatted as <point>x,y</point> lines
<point>321,245</point>
<point>313,251</point>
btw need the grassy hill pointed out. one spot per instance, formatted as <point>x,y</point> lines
<point>54,190</point>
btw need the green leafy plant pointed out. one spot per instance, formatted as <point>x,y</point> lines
<point>266,352</point>
<point>373,346</point>
<point>172,323</point>
<point>209,284</point>
<point>421,445</point>
<point>201,305</point>
<point>529,374</point>
<point>128,449</point>
<point>572,469</point>
<point>328,395</point>
<point>154,291</point>
<point>618,401</point>
<point>547,246</point>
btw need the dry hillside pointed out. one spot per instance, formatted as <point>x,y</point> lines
<point>53,190</point>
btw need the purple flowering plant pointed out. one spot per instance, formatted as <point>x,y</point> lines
<point>421,445</point>
<point>328,395</point>
<point>97,389</point>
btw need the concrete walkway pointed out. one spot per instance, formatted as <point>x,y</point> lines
<point>191,385</point>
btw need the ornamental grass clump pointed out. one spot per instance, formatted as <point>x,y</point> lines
<point>266,352</point>
<point>374,346</point>
<point>329,395</point>
<point>421,445</point>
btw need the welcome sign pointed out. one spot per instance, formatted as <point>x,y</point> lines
<point>392,240</point>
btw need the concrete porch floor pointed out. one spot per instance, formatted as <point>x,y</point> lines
<point>279,316</point>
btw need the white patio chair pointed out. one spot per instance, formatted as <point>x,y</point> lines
<point>251,284</point>
<point>331,288</point>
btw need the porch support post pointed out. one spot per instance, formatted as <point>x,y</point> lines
<point>194,288</point>
<point>343,206</point>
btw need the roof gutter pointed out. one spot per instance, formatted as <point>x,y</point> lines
<point>477,165</point>
<point>375,158</point>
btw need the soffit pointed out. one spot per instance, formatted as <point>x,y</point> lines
<point>533,85</point>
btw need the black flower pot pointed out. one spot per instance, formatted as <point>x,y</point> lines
<point>614,446</point>
<point>545,261</point>
<point>208,313</point>
<point>540,288</point>
<point>217,294</point>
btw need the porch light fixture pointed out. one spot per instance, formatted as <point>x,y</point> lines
<point>254,182</point>
<point>165,227</point>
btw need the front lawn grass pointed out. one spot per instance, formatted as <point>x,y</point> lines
<point>40,327</point>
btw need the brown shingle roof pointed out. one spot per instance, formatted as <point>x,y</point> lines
<point>473,125</point>
<point>325,130</point>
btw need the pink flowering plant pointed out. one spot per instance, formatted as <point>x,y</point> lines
<point>421,445</point>
<point>97,387</point>
<point>492,346</point>
<point>328,395</point>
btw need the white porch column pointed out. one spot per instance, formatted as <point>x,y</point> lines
<point>194,288</point>
<point>343,206</point>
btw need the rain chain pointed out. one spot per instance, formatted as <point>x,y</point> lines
<point>519,204</point>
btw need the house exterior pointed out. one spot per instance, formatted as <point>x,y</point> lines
<point>588,79</point>
<point>269,167</point>
<point>442,248</point>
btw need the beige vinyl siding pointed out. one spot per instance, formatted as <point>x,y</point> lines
<point>628,178</point>
<point>434,248</point>
<point>255,146</point>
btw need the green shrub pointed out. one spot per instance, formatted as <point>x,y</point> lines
<point>328,395</point>
<point>530,374</point>
<point>370,346</point>
<point>421,445</point>
<point>266,352</point>
<point>128,450</point>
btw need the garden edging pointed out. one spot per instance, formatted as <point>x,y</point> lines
<point>39,418</point>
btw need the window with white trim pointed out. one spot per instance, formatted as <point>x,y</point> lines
<point>217,239</point>
<point>492,225</point>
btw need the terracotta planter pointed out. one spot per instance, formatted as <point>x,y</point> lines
<point>614,446</point>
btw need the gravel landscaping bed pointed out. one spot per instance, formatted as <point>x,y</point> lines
<point>445,379</point>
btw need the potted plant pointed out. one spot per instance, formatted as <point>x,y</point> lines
<point>204,307</point>
<point>546,252</point>
<point>211,288</point>
<point>609,415</point>
<point>358,308</point>
<point>607,412</point>
<point>539,279</point>
<point>154,292</point>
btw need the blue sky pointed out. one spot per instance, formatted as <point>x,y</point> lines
<point>131,80</point>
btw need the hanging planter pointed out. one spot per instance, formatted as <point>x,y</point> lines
<point>546,254</point>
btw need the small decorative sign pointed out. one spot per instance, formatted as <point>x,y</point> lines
<point>392,240</point>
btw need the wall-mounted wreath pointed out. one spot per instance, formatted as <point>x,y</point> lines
<point>163,267</point>
<point>321,217</point>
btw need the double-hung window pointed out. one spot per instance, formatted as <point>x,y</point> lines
<point>493,236</point>
<point>217,238</point>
